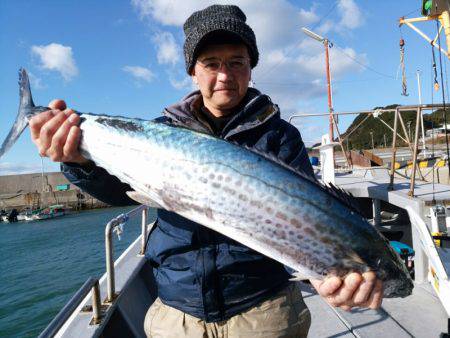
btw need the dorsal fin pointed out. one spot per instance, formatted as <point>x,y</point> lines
<point>343,196</point>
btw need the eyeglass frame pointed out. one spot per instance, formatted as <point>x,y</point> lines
<point>226,63</point>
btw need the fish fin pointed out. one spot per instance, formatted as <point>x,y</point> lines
<point>143,199</point>
<point>26,110</point>
<point>343,196</point>
<point>298,277</point>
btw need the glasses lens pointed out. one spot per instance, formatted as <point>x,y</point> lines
<point>214,65</point>
<point>237,64</point>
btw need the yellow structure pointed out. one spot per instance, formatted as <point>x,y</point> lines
<point>432,10</point>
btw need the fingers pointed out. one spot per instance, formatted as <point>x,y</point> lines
<point>328,286</point>
<point>59,139</point>
<point>70,149</point>
<point>376,297</point>
<point>57,104</point>
<point>361,290</point>
<point>344,295</point>
<point>365,289</point>
<point>47,132</point>
<point>37,122</point>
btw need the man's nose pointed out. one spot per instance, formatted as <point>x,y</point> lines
<point>224,73</point>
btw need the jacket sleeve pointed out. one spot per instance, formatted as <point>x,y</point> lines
<point>98,183</point>
<point>292,150</point>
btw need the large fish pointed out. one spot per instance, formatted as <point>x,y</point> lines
<point>256,201</point>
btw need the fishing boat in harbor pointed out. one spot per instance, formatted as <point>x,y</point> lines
<point>51,211</point>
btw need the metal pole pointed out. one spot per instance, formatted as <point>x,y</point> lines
<point>109,261</point>
<point>42,174</point>
<point>330,104</point>
<point>419,86</point>
<point>144,230</point>
<point>445,21</point>
<point>416,144</point>
<point>408,139</point>
<point>371,135</point>
<point>394,149</point>
<point>96,303</point>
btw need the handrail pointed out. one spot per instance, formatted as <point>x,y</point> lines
<point>70,307</point>
<point>93,284</point>
<point>110,276</point>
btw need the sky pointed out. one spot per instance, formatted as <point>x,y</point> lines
<point>125,58</point>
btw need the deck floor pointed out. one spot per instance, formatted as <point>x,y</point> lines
<point>419,315</point>
<point>369,185</point>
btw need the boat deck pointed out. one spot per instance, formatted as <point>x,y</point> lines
<point>374,184</point>
<point>419,315</point>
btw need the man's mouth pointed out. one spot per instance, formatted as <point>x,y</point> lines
<point>223,89</point>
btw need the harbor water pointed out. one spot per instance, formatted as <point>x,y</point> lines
<point>43,263</point>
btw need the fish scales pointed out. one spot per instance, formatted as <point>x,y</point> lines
<point>239,193</point>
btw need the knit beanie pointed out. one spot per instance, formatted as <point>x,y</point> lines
<point>217,23</point>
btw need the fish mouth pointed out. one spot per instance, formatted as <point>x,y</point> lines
<point>398,288</point>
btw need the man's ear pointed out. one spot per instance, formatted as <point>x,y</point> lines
<point>194,77</point>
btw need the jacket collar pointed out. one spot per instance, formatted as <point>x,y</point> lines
<point>256,109</point>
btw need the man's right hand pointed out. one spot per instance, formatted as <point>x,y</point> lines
<point>56,133</point>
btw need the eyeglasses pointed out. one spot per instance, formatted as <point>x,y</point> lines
<point>213,66</point>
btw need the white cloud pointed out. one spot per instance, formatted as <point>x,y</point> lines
<point>172,13</point>
<point>58,58</point>
<point>350,13</point>
<point>184,83</point>
<point>291,68</point>
<point>139,73</point>
<point>168,51</point>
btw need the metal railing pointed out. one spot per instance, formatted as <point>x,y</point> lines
<point>92,284</point>
<point>109,252</point>
<point>72,304</point>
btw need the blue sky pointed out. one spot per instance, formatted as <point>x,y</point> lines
<point>125,58</point>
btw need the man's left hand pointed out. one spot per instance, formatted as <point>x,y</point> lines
<point>361,290</point>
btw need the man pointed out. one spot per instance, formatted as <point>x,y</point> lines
<point>208,284</point>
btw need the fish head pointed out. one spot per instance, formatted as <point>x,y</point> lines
<point>396,278</point>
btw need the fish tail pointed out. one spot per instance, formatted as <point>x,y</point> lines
<point>26,110</point>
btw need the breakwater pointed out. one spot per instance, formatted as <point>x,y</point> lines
<point>38,190</point>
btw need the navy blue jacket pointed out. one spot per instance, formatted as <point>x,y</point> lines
<point>198,270</point>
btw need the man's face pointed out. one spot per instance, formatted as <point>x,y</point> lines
<point>223,87</point>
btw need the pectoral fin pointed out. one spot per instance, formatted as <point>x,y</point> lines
<point>143,199</point>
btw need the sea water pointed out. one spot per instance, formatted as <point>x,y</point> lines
<point>43,263</point>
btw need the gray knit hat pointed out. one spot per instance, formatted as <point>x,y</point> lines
<point>214,24</point>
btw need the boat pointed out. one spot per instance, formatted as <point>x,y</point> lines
<point>51,211</point>
<point>413,213</point>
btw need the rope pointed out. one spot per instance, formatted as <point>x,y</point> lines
<point>443,98</point>
<point>433,73</point>
<point>402,63</point>
<point>435,81</point>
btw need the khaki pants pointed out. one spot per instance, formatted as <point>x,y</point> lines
<point>284,315</point>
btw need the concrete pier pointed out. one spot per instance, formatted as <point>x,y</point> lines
<point>37,190</point>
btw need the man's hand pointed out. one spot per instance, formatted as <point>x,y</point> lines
<point>354,290</point>
<point>56,133</point>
